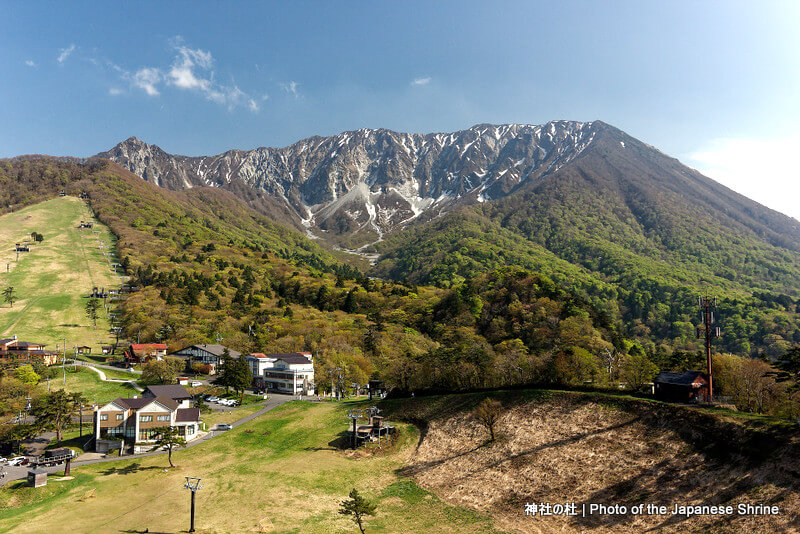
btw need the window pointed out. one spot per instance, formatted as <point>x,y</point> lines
<point>119,417</point>
<point>104,417</point>
<point>145,418</point>
<point>163,418</point>
<point>149,434</point>
<point>190,430</point>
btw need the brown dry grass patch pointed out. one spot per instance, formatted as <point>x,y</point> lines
<point>569,450</point>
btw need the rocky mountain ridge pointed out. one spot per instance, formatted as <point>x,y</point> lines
<point>354,187</point>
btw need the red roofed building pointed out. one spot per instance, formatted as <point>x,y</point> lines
<point>144,352</point>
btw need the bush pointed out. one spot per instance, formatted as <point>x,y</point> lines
<point>201,368</point>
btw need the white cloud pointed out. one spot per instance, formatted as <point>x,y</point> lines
<point>146,79</point>
<point>190,70</point>
<point>291,89</point>
<point>421,81</point>
<point>182,73</point>
<point>30,63</point>
<point>762,169</point>
<point>64,53</point>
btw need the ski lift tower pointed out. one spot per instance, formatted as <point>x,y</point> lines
<point>192,484</point>
<point>355,415</point>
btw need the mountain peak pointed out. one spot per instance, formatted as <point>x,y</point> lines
<point>353,187</point>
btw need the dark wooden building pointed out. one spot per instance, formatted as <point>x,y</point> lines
<point>689,386</point>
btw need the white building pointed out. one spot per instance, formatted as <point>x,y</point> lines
<point>291,374</point>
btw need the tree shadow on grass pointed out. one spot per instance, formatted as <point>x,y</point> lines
<point>412,470</point>
<point>128,469</point>
<point>147,531</point>
<point>675,483</point>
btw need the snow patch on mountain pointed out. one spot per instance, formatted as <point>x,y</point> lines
<point>379,180</point>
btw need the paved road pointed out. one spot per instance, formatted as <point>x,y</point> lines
<point>21,472</point>
<point>104,378</point>
<point>111,367</point>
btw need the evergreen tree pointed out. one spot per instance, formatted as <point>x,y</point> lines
<point>226,370</point>
<point>357,507</point>
<point>93,309</point>
<point>9,295</point>
<point>169,438</point>
<point>789,367</point>
<point>241,376</point>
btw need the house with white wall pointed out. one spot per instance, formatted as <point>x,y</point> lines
<point>138,419</point>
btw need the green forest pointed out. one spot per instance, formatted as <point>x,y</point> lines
<point>472,303</point>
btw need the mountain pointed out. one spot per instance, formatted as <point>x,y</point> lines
<point>354,187</point>
<point>562,281</point>
<point>209,266</point>
<point>628,228</point>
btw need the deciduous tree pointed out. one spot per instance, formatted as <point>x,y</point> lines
<point>53,411</point>
<point>161,371</point>
<point>27,375</point>
<point>488,414</point>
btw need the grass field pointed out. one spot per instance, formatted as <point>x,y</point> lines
<point>52,280</point>
<point>283,466</point>
<point>119,374</point>
<point>88,382</point>
<point>211,419</point>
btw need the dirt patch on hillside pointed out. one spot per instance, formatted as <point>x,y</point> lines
<point>567,449</point>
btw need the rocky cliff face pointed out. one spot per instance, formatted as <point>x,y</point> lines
<point>354,187</point>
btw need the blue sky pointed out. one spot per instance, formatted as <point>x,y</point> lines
<point>712,83</point>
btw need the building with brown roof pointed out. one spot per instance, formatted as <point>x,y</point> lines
<point>144,352</point>
<point>138,420</point>
<point>175,392</point>
<point>689,386</point>
<point>205,353</point>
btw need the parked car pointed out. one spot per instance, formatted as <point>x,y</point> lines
<point>224,426</point>
<point>18,460</point>
<point>196,384</point>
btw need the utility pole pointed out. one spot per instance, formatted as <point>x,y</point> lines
<point>707,305</point>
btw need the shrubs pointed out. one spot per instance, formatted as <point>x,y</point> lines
<point>201,368</point>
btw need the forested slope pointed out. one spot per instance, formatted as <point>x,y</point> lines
<point>633,232</point>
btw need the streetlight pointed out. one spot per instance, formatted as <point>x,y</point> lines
<point>192,484</point>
